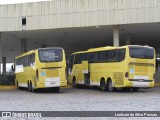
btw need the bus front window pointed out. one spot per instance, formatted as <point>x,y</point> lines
<point>141,52</point>
<point>50,55</point>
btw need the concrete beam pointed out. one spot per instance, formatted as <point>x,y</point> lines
<point>4,65</point>
<point>116,35</point>
<point>37,19</point>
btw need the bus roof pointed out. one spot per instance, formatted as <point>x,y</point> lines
<point>96,49</point>
<point>101,48</point>
<point>139,46</point>
<point>109,48</point>
<point>27,53</point>
<point>33,51</point>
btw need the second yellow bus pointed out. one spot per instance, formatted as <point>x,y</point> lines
<point>131,67</point>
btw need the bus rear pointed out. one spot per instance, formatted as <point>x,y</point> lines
<point>50,68</point>
<point>141,67</point>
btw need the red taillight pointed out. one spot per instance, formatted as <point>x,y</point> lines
<point>37,74</point>
<point>126,74</point>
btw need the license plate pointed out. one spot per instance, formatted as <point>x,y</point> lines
<point>52,83</point>
<point>141,80</point>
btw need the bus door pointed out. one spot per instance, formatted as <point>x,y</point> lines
<point>85,70</point>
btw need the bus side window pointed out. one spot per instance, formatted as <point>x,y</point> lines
<point>94,57</point>
<point>101,56</point>
<point>77,59</point>
<point>89,58</point>
<point>120,54</point>
<point>83,57</point>
<point>32,60</point>
<point>109,56</point>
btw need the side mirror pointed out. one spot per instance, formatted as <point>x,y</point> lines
<point>13,67</point>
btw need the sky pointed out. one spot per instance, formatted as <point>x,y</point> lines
<point>18,1</point>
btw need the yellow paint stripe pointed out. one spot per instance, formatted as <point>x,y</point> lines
<point>7,87</point>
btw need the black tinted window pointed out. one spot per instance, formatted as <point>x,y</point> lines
<point>101,57</point>
<point>77,59</point>
<point>26,60</point>
<point>81,57</point>
<point>31,60</point>
<point>112,55</point>
<point>120,54</point>
<point>141,52</point>
<point>109,55</point>
<point>116,55</point>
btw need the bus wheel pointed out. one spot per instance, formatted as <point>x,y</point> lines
<point>74,84</point>
<point>110,86</point>
<point>103,85</point>
<point>18,85</point>
<point>31,87</point>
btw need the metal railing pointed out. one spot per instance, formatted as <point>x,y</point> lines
<point>7,79</point>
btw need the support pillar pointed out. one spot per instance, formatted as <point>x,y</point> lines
<point>0,51</point>
<point>128,39</point>
<point>23,46</point>
<point>116,35</point>
<point>4,65</point>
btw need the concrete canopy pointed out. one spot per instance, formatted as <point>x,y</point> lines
<point>78,24</point>
<point>76,39</point>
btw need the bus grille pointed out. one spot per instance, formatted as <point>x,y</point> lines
<point>118,77</point>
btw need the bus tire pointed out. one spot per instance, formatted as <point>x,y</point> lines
<point>110,86</point>
<point>103,85</point>
<point>31,87</point>
<point>74,84</point>
<point>18,85</point>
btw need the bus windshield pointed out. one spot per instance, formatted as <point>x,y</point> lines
<point>141,52</point>
<point>50,55</point>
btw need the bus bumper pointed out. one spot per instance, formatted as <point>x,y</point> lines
<point>51,84</point>
<point>139,84</point>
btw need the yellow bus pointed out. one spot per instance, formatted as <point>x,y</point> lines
<point>126,67</point>
<point>41,68</point>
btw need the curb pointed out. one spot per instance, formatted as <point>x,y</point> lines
<point>7,87</point>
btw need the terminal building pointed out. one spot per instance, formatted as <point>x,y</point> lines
<point>77,25</point>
